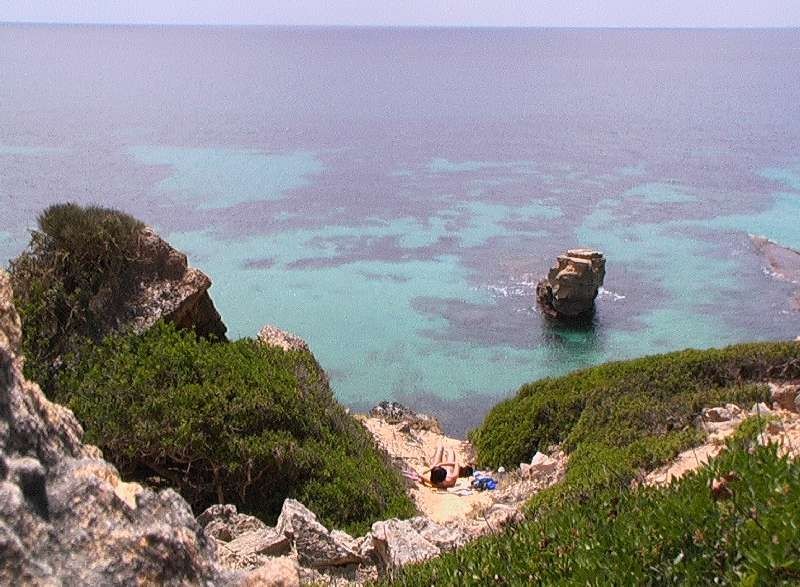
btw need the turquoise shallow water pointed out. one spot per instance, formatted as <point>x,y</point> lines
<point>360,306</point>
<point>393,196</point>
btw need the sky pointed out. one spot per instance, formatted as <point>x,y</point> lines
<point>533,13</point>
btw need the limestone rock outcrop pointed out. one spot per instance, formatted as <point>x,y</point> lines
<point>65,515</point>
<point>273,336</point>
<point>316,546</point>
<point>782,263</point>
<point>402,542</point>
<point>323,555</point>
<point>572,284</point>
<point>171,290</point>
<point>396,413</point>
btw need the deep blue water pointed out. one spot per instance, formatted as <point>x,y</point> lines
<point>392,195</point>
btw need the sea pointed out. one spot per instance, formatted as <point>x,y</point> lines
<point>392,195</point>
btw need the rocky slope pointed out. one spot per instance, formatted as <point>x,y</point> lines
<point>65,515</point>
<point>300,545</point>
<point>781,426</point>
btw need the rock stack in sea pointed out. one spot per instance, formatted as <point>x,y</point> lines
<point>572,284</point>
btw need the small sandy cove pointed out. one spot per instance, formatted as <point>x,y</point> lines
<point>413,449</point>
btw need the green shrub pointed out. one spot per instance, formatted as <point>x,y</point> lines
<point>235,423</point>
<point>619,403</point>
<point>680,534</point>
<point>78,268</point>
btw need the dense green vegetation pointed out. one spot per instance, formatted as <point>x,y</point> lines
<point>78,268</point>
<point>220,422</point>
<point>232,423</point>
<point>619,418</point>
<point>684,534</point>
<point>621,403</point>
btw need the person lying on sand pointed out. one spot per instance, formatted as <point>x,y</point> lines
<point>444,469</point>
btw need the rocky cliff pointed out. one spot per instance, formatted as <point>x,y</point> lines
<point>65,515</point>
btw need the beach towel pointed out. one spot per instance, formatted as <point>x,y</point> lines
<point>412,475</point>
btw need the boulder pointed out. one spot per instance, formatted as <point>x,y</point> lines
<point>400,542</point>
<point>397,543</point>
<point>225,523</point>
<point>443,537</point>
<point>315,545</point>
<point>540,465</point>
<point>274,336</point>
<point>572,284</point>
<point>397,413</point>
<point>268,542</point>
<point>717,414</point>
<point>277,572</point>
<point>760,408</point>
<point>65,515</point>
<point>172,291</point>
<point>786,396</point>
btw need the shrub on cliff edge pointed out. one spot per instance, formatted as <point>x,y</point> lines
<point>78,265</point>
<point>231,423</point>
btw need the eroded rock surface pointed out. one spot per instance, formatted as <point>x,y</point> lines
<point>171,290</point>
<point>397,413</point>
<point>399,543</point>
<point>65,515</point>
<point>273,336</point>
<point>572,284</point>
<point>315,545</point>
<point>781,262</point>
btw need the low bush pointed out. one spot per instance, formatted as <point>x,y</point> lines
<point>682,534</point>
<point>79,265</point>
<point>620,418</point>
<point>622,402</point>
<point>233,423</point>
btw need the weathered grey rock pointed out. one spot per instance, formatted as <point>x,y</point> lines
<point>396,413</point>
<point>540,465</point>
<point>225,523</point>
<point>65,515</point>
<point>445,538</point>
<point>268,542</point>
<point>366,549</point>
<point>760,408</point>
<point>273,336</point>
<point>398,543</point>
<point>171,290</point>
<point>315,545</point>
<point>786,396</point>
<point>572,284</point>
<point>276,572</point>
<point>717,414</point>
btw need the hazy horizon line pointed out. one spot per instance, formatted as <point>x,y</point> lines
<point>398,26</point>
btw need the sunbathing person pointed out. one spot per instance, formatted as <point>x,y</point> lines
<point>444,468</point>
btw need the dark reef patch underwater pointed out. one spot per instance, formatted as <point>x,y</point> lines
<point>396,206</point>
